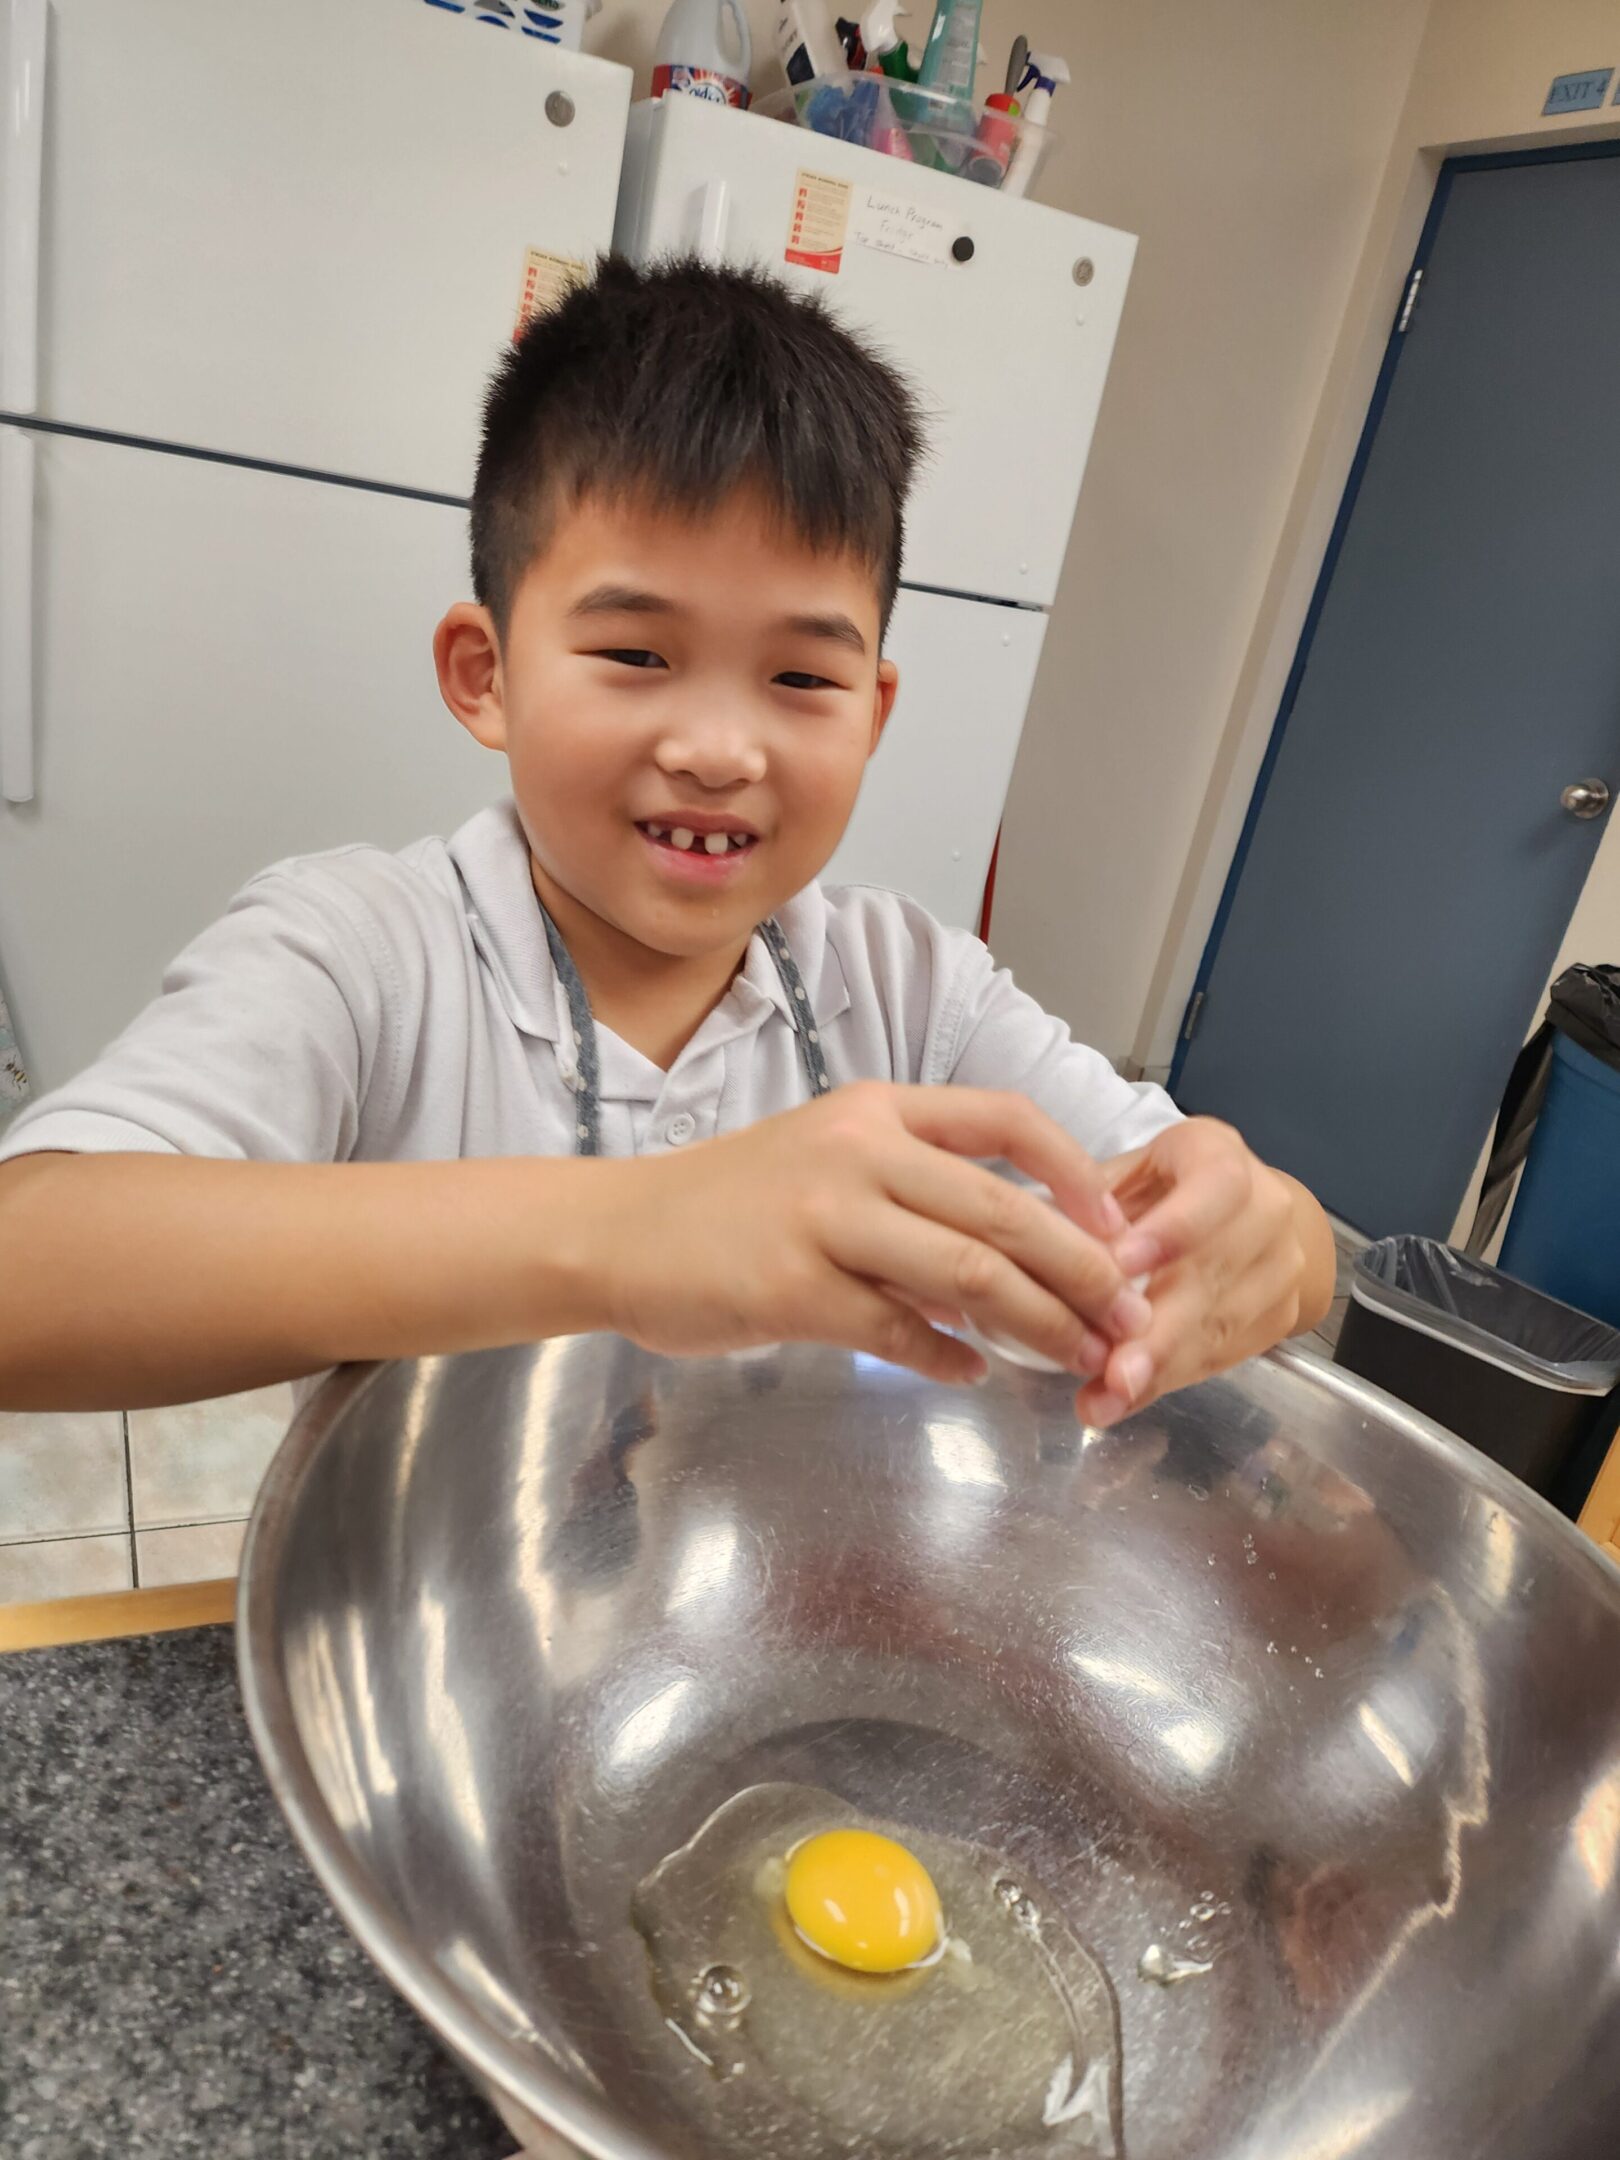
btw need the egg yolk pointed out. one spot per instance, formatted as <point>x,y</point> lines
<point>863,1901</point>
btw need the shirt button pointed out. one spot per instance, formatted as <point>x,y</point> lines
<point>680,1129</point>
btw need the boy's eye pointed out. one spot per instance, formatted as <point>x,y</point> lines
<point>795,679</point>
<point>635,656</point>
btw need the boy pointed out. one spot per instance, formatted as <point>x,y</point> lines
<point>428,1102</point>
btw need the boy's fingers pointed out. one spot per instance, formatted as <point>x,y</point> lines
<point>990,1125</point>
<point>997,1216</point>
<point>940,1316</point>
<point>866,1318</point>
<point>942,1267</point>
<point>1207,1187</point>
<point>1183,1346</point>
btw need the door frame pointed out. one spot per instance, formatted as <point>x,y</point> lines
<point>1484,161</point>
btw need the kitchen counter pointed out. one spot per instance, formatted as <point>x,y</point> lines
<point>173,1982</point>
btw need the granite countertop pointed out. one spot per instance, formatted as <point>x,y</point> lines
<point>173,1982</point>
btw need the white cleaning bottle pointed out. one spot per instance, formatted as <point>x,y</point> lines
<point>1043,73</point>
<point>696,59</point>
<point>807,41</point>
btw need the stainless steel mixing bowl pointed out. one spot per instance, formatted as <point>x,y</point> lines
<point>1277,1670</point>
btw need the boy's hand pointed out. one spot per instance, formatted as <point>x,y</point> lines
<point>850,1219</point>
<point>1237,1255</point>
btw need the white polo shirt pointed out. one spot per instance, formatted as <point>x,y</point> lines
<point>367,1007</point>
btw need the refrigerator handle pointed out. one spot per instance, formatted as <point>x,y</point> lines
<point>22,143</point>
<point>712,206</point>
<point>16,615</point>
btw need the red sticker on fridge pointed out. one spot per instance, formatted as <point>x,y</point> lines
<point>547,280</point>
<point>818,222</point>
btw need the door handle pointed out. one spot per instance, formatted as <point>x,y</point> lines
<point>711,214</point>
<point>16,614</point>
<point>1586,798</point>
<point>22,145</point>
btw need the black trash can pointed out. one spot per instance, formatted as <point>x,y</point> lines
<point>1519,1376</point>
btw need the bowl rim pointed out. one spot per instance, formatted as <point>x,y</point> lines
<point>535,2086</point>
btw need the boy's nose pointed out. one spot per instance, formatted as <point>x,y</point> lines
<point>722,754</point>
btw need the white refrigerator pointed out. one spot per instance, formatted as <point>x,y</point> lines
<point>255,267</point>
<point>1004,313</point>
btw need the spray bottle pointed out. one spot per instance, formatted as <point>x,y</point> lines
<point>871,45</point>
<point>880,30</point>
<point>693,58</point>
<point>1042,74</point>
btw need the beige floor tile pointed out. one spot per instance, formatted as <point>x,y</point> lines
<point>61,1474</point>
<point>202,1462</point>
<point>63,1567</point>
<point>200,1552</point>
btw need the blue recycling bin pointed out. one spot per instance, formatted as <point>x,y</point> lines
<point>1563,1236</point>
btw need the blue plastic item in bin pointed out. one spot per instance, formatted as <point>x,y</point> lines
<point>1564,1233</point>
<point>1559,1125</point>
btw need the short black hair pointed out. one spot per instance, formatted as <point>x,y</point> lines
<point>678,383</point>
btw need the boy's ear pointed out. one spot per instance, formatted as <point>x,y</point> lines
<point>467,654</point>
<point>888,686</point>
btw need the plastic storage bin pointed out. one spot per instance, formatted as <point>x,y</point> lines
<point>1564,1232</point>
<point>1518,1375</point>
<point>916,125</point>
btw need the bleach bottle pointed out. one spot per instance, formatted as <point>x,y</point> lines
<point>696,59</point>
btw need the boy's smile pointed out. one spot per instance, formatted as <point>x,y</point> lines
<point>687,702</point>
<point>698,845</point>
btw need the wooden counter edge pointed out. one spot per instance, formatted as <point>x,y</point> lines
<point>1600,1518</point>
<point>118,1613</point>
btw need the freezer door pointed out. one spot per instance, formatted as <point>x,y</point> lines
<point>1008,349</point>
<point>230,667</point>
<point>930,806</point>
<point>301,233</point>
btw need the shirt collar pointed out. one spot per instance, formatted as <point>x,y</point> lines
<point>805,921</point>
<point>491,855</point>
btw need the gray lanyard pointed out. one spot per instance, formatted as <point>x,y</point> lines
<point>588,1090</point>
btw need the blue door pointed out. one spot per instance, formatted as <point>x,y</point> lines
<point>1437,783</point>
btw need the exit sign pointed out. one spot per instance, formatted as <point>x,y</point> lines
<point>1578,93</point>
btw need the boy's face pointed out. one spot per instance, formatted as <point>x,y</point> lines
<point>668,679</point>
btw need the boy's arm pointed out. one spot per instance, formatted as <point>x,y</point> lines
<point>154,1278</point>
<point>158,1279</point>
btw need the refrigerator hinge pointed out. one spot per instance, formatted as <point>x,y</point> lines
<point>1414,286</point>
<point>1195,1013</point>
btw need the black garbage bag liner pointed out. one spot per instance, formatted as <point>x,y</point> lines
<point>1459,1300</point>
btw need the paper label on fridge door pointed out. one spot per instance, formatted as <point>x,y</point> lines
<point>819,221</point>
<point>547,280</point>
<point>885,221</point>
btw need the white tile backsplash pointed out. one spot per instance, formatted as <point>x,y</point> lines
<point>203,1461</point>
<point>63,1567</point>
<point>200,1552</point>
<point>61,1473</point>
